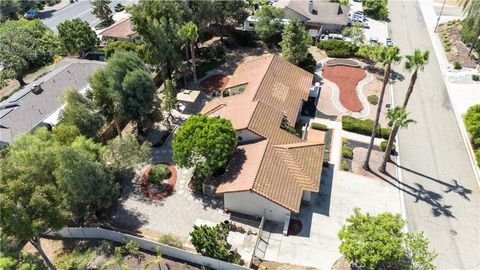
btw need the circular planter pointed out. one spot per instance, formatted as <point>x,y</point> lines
<point>149,189</point>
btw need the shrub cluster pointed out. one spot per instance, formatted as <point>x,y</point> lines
<point>364,127</point>
<point>345,166</point>
<point>476,77</point>
<point>158,173</point>
<point>383,146</point>
<point>319,126</point>
<point>338,48</point>
<point>457,65</point>
<point>373,99</point>
<point>347,152</point>
<point>472,124</point>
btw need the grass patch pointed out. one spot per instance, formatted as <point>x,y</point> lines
<point>171,240</point>
<point>345,166</point>
<point>76,258</point>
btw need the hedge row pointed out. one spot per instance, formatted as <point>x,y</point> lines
<point>319,126</point>
<point>472,124</point>
<point>338,48</point>
<point>364,127</point>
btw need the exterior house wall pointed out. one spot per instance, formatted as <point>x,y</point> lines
<point>247,136</point>
<point>250,203</point>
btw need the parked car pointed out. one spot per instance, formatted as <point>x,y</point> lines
<point>119,7</point>
<point>389,42</point>
<point>374,39</point>
<point>31,14</point>
<point>336,36</point>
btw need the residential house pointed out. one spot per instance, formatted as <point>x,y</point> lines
<point>40,102</point>
<point>316,14</point>
<point>271,170</point>
<point>123,30</point>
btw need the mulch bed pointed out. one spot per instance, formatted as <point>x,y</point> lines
<point>458,50</point>
<point>346,79</point>
<point>153,195</point>
<point>215,83</point>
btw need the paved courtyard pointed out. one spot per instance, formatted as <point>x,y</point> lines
<point>175,214</point>
<point>317,244</point>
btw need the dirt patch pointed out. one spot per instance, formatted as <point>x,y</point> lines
<point>346,79</point>
<point>359,154</point>
<point>215,83</point>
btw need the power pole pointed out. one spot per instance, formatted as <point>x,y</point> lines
<point>440,15</point>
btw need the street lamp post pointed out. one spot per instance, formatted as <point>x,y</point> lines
<point>439,16</point>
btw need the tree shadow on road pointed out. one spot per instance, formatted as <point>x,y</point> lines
<point>420,194</point>
<point>455,187</point>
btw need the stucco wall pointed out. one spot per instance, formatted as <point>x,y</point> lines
<point>250,203</point>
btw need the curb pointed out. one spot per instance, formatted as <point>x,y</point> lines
<point>442,58</point>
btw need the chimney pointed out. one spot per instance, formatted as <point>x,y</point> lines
<point>310,6</point>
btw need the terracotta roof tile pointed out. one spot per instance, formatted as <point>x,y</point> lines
<point>122,29</point>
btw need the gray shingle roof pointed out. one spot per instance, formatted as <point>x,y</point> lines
<point>326,12</point>
<point>24,110</point>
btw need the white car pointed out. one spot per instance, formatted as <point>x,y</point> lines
<point>374,39</point>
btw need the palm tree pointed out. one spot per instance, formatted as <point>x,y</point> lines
<point>472,9</point>
<point>414,62</point>
<point>189,33</point>
<point>397,118</point>
<point>386,57</point>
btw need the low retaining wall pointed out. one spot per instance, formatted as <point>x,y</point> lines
<point>180,254</point>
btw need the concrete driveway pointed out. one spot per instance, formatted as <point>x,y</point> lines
<point>317,243</point>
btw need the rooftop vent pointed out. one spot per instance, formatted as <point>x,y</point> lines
<point>37,89</point>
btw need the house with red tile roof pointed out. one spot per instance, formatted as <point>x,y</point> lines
<point>272,170</point>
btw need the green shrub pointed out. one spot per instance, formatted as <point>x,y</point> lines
<point>363,127</point>
<point>74,259</point>
<point>171,240</point>
<point>345,166</point>
<point>476,77</point>
<point>477,156</point>
<point>448,48</point>
<point>472,124</point>
<point>158,173</point>
<point>383,146</point>
<point>347,152</point>
<point>319,126</point>
<point>338,48</point>
<point>457,65</point>
<point>131,247</point>
<point>373,99</point>
<point>385,133</point>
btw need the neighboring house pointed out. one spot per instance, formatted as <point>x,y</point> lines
<point>318,14</point>
<point>40,102</point>
<point>123,30</point>
<point>271,170</point>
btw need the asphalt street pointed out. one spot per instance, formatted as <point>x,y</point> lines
<point>80,9</point>
<point>441,193</point>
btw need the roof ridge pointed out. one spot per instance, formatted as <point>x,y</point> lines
<point>298,145</point>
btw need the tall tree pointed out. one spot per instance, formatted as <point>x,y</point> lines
<point>471,24</point>
<point>414,62</point>
<point>397,118</point>
<point>355,32</point>
<point>29,200</point>
<point>8,9</point>
<point>123,89</point>
<point>228,11</point>
<point>378,242</point>
<point>80,112</point>
<point>102,11</point>
<point>77,36</point>
<point>123,154</point>
<point>169,100</point>
<point>25,45</point>
<point>158,22</point>
<point>386,57</point>
<point>204,143</point>
<point>85,183</point>
<point>188,32</point>
<point>268,22</point>
<point>295,42</point>
<point>137,95</point>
